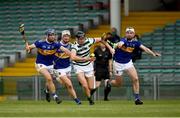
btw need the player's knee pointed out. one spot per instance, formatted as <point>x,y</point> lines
<point>69,86</point>
<point>49,80</point>
<point>85,86</point>
<point>118,83</point>
<point>91,88</point>
<point>135,80</point>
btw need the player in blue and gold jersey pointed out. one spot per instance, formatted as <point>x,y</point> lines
<point>123,62</point>
<point>44,61</point>
<point>62,65</point>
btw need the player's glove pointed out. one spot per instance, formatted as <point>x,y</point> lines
<point>21,29</point>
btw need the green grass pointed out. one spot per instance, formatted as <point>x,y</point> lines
<point>114,108</point>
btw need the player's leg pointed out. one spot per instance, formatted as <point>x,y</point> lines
<point>106,93</point>
<point>50,84</point>
<point>117,82</point>
<point>70,88</point>
<point>97,82</point>
<point>89,74</point>
<point>84,84</point>
<point>47,93</point>
<point>80,71</point>
<point>91,81</point>
<point>106,77</point>
<point>118,72</point>
<point>60,81</point>
<point>135,83</point>
<point>98,79</point>
<point>91,85</point>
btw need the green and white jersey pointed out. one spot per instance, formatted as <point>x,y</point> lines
<point>83,51</point>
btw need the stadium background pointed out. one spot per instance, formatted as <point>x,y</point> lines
<point>158,23</point>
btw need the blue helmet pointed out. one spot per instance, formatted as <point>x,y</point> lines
<point>79,34</point>
<point>50,31</point>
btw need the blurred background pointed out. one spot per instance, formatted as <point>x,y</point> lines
<point>157,22</point>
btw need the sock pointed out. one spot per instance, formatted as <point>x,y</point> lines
<point>105,82</point>
<point>136,96</point>
<point>105,94</point>
<point>89,99</point>
<point>92,91</point>
<point>54,95</point>
<point>77,100</point>
<point>108,83</point>
<point>47,90</point>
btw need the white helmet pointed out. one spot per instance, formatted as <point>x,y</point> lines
<point>65,32</point>
<point>130,29</point>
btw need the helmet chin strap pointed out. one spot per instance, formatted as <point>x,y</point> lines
<point>64,42</point>
<point>49,40</point>
<point>129,39</point>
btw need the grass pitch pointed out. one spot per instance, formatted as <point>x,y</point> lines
<point>114,108</point>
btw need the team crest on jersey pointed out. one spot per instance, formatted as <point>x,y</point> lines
<point>43,46</point>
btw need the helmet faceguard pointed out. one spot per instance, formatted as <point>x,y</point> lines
<point>79,34</point>
<point>50,31</point>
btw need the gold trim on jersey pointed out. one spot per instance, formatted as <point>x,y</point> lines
<point>127,49</point>
<point>62,55</point>
<point>46,52</point>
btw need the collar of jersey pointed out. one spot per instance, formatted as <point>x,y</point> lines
<point>65,44</point>
<point>48,41</point>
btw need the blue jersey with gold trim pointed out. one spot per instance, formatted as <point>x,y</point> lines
<point>124,54</point>
<point>61,59</point>
<point>46,52</point>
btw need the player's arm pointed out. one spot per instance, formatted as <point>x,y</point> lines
<point>104,37</point>
<point>97,39</point>
<point>74,57</point>
<point>65,50</point>
<point>110,66</point>
<point>120,44</point>
<point>109,47</point>
<point>148,51</point>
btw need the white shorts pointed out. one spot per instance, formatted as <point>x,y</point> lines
<point>41,66</point>
<point>63,72</point>
<point>119,68</point>
<point>88,70</point>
